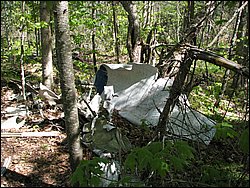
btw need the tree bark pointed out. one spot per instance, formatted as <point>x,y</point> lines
<point>133,36</point>
<point>115,33</point>
<point>93,37</point>
<point>22,55</point>
<point>47,65</point>
<point>67,80</point>
<point>184,67</point>
<point>174,93</point>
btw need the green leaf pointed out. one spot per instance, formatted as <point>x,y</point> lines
<point>184,150</point>
<point>156,164</point>
<point>125,180</point>
<point>43,24</point>
<point>225,124</point>
<point>244,141</point>
<point>94,181</point>
<point>160,166</point>
<point>219,22</point>
<point>164,169</point>
<point>177,163</point>
<point>155,147</point>
<point>78,176</point>
<point>232,133</point>
<point>97,170</point>
<point>130,162</point>
<point>224,130</point>
<point>144,158</point>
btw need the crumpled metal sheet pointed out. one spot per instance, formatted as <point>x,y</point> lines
<point>134,90</point>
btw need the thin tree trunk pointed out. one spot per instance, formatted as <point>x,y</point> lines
<point>133,36</point>
<point>226,25</point>
<point>178,14</point>
<point>93,37</point>
<point>37,44</point>
<point>115,33</point>
<point>179,81</point>
<point>67,80</point>
<point>221,17</point>
<point>22,55</point>
<point>174,93</point>
<point>146,13</point>
<point>36,30</point>
<point>47,64</point>
<point>4,22</point>
<point>242,47</point>
<point>227,72</point>
<point>150,12</point>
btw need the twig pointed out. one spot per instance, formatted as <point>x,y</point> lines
<point>190,182</point>
<point>226,26</point>
<point>30,134</point>
<point>93,112</point>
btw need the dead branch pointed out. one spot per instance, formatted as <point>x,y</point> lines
<point>211,57</point>
<point>30,134</point>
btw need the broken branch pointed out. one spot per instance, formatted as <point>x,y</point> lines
<point>218,60</point>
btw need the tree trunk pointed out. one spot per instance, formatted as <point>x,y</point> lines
<point>179,81</point>
<point>178,14</point>
<point>227,72</point>
<point>175,91</point>
<point>115,33</point>
<point>242,50</point>
<point>67,80</point>
<point>47,65</point>
<point>36,30</point>
<point>147,13</point>
<point>133,37</point>
<point>21,59</point>
<point>93,37</point>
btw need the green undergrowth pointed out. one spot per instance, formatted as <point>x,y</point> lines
<point>179,163</point>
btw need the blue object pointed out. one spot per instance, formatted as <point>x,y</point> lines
<point>101,79</point>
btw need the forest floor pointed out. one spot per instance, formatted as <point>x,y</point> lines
<point>35,161</point>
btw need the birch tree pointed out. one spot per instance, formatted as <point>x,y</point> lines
<point>67,80</point>
<point>46,39</point>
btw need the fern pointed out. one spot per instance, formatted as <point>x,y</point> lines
<point>145,157</point>
<point>155,147</point>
